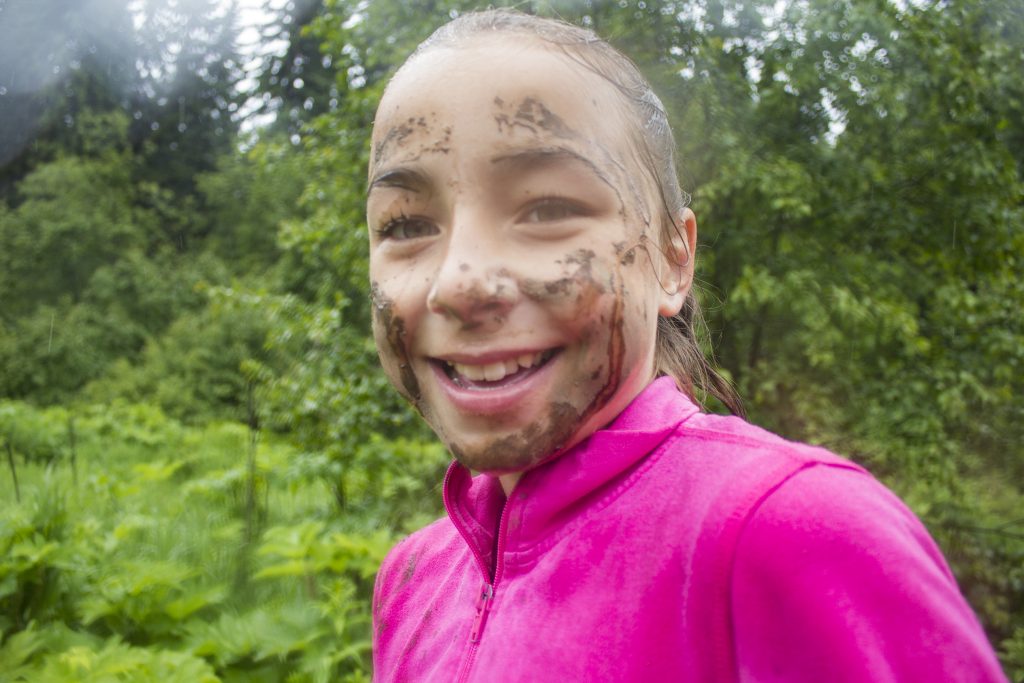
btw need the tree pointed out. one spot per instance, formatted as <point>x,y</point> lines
<point>299,84</point>
<point>183,119</point>
<point>58,59</point>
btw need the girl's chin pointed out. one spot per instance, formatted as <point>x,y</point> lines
<point>498,452</point>
<point>485,463</point>
<point>497,455</point>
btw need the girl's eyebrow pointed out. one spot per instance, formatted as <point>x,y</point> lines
<point>531,158</point>
<point>403,178</point>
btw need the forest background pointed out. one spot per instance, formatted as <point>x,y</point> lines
<point>202,463</point>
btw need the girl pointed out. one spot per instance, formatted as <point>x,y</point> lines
<point>532,266</point>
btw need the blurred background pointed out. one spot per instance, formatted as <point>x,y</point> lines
<point>200,463</point>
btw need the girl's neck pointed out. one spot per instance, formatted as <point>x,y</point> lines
<point>509,481</point>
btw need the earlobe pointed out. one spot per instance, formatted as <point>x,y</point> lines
<point>679,256</point>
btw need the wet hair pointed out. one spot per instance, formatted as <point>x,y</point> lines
<point>678,351</point>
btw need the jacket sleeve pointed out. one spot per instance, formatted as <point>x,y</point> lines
<point>378,622</point>
<point>834,579</point>
<point>383,592</point>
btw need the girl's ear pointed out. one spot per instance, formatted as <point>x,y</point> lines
<point>679,251</point>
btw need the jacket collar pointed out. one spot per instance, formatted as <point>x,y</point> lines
<point>550,495</point>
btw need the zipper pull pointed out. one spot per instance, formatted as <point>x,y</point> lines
<point>483,606</point>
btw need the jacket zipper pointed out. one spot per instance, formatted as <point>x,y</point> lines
<point>485,600</point>
<point>483,606</point>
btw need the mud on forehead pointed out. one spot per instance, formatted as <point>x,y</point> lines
<point>529,118</point>
<point>405,134</point>
<point>416,128</point>
<point>531,114</point>
<point>418,134</point>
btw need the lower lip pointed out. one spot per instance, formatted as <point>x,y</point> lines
<point>492,400</point>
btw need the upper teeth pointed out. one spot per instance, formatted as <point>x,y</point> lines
<point>492,372</point>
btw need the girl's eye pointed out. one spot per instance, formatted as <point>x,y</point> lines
<point>405,228</point>
<point>551,210</point>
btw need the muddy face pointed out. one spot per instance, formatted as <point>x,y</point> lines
<point>510,305</point>
<point>389,334</point>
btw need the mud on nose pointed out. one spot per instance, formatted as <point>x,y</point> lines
<point>465,292</point>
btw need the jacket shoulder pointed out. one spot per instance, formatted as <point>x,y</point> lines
<point>742,439</point>
<point>826,571</point>
<point>724,466</point>
<point>439,537</point>
<point>833,574</point>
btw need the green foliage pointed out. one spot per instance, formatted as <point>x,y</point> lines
<point>195,368</point>
<point>247,198</point>
<point>93,581</point>
<point>54,351</point>
<point>300,82</point>
<point>188,67</point>
<point>86,273</point>
<point>75,215</point>
<point>118,662</point>
<point>27,432</point>
<point>74,657</point>
<point>1013,650</point>
<point>31,539</point>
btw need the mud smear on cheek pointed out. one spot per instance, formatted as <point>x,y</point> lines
<point>393,328</point>
<point>537,443</point>
<point>626,256</point>
<point>583,280</point>
<point>616,354</point>
<point>564,287</point>
<point>571,422</point>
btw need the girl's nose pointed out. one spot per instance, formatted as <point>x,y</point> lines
<point>471,292</point>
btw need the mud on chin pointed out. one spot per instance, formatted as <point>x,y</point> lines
<point>521,450</point>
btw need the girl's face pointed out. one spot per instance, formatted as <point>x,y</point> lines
<point>517,271</point>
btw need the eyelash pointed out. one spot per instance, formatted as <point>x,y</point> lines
<point>570,208</point>
<point>387,231</point>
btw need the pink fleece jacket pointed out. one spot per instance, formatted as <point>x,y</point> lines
<point>676,546</point>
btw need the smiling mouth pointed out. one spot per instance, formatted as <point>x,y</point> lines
<point>496,374</point>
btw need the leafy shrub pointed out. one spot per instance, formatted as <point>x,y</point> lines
<point>32,557</point>
<point>150,565</point>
